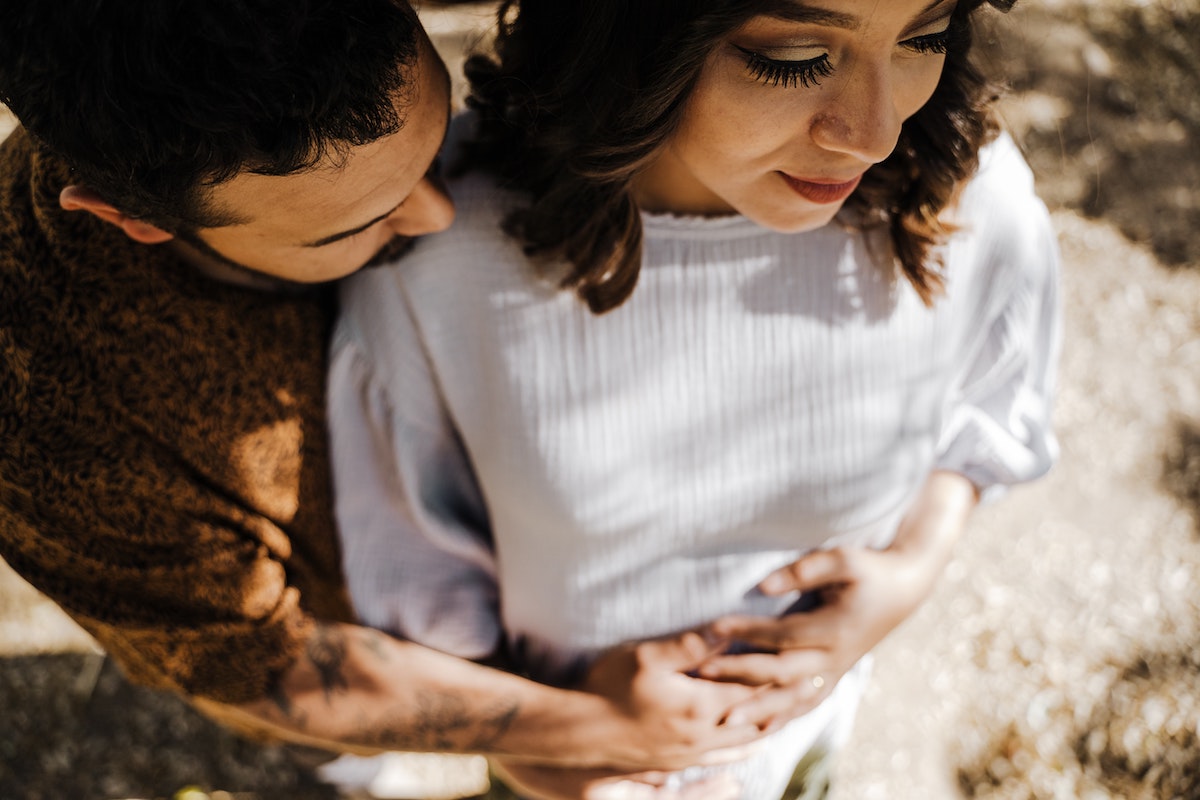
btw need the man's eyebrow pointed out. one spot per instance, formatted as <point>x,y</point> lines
<point>324,240</point>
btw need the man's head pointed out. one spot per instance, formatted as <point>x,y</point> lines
<point>291,137</point>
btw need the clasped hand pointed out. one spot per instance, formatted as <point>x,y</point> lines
<point>863,595</point>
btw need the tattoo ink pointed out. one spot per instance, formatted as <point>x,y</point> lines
<point>442,722</point>
<point>327,652</point>
<point>494,728</point>
<point>374,642</point>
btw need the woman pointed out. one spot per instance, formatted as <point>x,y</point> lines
<point>772,307</point>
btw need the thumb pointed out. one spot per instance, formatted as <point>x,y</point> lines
<point>810,572</point>
<point>681,653</point>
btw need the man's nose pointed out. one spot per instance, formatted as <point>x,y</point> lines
<point>428,209</point>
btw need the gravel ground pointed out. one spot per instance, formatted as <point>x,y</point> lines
<point>1057,660</point>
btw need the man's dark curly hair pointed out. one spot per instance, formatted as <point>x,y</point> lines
<point>580,96</point>
<point>153,101</point>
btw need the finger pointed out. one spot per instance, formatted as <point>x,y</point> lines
<point>781,669</point>
<point>681,653</point>
<point>728,755</point>
<point>717,787</point>
<point>812,630</point>
<point>808,573</point>
<point>774,708</point>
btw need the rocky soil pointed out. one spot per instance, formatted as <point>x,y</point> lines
<point>1059,659</point>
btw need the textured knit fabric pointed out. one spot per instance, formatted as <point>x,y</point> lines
<point>506,461</point>
<point>163,456</point>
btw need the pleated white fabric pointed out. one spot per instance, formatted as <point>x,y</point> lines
<point>508,463</point>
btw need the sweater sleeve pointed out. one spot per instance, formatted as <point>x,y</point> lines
<point>163,461</point>
<point>999,431</point>
<point>415,539</point>
<point>185,587</point>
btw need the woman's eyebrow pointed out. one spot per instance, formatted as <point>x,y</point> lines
<point>928,13</point>
<point>798,11</point>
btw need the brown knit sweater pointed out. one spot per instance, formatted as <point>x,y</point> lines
<point>163,463</point>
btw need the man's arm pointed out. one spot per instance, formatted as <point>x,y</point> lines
<point>359,690</point>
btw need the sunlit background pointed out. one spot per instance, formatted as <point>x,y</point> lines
<point>1059,659</point>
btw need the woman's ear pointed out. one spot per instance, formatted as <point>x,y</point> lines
<point>79,198</point>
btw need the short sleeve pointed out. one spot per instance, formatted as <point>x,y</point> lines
<point>999,429</point>
<point>415,537</point>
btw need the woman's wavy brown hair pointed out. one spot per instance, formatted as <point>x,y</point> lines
<point>581,95</point>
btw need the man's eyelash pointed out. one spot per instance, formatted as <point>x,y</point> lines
<point>787,73</point>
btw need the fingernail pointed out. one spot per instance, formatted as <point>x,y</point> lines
<point>774,584</point>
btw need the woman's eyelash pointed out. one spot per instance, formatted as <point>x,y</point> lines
<point>809,72</point>
<point>933,43</point>
<point>787,73</point>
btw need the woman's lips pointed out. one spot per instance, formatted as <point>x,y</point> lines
<point>822,191</point>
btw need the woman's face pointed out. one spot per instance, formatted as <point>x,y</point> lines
<point>794,106</point>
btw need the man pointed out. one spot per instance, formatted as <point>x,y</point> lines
<point>187,179</point>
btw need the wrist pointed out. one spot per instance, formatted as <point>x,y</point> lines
<point>568,728</point>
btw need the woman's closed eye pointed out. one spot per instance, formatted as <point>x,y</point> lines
<point>804,73</point>
<point>937,44</point>
<point>775,72</point>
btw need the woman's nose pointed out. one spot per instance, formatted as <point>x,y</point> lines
<point>862,120</point>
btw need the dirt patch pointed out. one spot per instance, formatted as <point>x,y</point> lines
<point>1107,101</point>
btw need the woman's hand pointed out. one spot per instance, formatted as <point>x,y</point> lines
<point>552,783</point>
<point>864,595</point>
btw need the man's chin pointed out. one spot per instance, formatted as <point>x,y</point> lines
<point>390,252</point>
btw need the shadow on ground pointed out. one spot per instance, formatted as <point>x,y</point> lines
<point>1181,467</point>
<point>1107,105</point>
<point>1141,745</point>
<point>74,728</point>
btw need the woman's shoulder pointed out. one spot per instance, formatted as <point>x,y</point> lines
<point>1005,236</point>
<point>1000,205</point>
<point>1002,191</point>
<point>1003,174</point>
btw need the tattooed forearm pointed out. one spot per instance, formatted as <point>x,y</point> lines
<point>327,652</point>
<point>442,722</point>
<point>361,687</point>
<point>376,642</point>
<point>493,728</point>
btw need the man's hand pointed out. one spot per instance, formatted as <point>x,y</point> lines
<point>864,595</point>
<point>684,719</point>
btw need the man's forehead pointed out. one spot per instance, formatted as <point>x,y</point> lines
<point>352,186</point>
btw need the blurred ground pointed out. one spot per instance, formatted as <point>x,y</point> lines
<point>1061,656</point>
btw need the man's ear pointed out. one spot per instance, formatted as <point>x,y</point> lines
<point>79,198</point>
